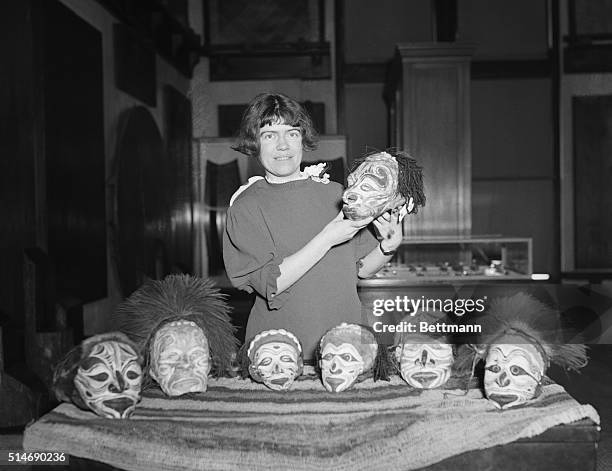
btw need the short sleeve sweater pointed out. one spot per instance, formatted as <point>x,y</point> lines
<point>268,222</point>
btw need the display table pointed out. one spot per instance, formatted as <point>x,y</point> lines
<point>238,424</point>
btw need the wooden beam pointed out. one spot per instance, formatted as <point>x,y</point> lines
<point>376,72</point>
<point>512,69</point>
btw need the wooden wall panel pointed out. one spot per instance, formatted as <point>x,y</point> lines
<point>372,29</point>
<point>592,118</point>
<point>141,184</point>
<point>510,30</point>
<point>20,147</point>
<point>430,87</point>
<point>366,118</point>
<point>512,128</point>
<point>74,153</point>
<point>177,125</point>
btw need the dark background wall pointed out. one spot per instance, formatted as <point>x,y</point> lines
<point>60,107</point>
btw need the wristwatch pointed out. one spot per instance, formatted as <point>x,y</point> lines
<point>386,254</point>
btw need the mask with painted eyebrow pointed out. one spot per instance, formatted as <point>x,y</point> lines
<point>180,358</point>
<point>373,188</point>
<point>109,380</point>
<point>512,374</point>
<point>425,365</point>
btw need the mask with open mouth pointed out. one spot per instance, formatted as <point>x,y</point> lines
<point>102,374</point>
<point>424,360</point>
<point>346,352</point>
<point>513,373</point>
<point>180,358</point>
<point>382,182</point>
<point>425,365</point>
<point>520,337</point>
<point>182,326</point>
<point>275,359</point>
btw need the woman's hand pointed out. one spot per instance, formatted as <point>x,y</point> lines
<point>294,266</point>
<point>389,226</point>
<point>340,230</point>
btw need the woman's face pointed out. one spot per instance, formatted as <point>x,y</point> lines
<point>280,149</point>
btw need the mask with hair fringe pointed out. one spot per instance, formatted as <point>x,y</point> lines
<point>382,182</point>
<point>347,352</point>
<point>102,374</point>
<point>182,327</point>
<point>521,336</point>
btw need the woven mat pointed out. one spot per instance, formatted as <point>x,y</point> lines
<point>238,424</point>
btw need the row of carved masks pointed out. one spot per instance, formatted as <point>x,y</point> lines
<point>513,371</point>
<point>275,357</point>
<point>109,373</point>
<point>346,353</point>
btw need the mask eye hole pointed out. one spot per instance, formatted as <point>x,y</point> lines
<point>494,368</point>
<point>100,377</point>
<point>265,362</point>
<point>517,370</point>
<point>132,375</point>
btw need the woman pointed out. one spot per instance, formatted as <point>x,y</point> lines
<point>286,237</point>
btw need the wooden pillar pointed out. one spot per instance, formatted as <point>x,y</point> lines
<point>429,102</point>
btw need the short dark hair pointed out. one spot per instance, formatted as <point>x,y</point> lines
<point>272,108</point>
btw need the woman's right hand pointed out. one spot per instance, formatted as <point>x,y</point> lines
<point>340,230</point>
<point>294,266</point>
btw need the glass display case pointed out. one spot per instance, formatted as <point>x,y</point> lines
<point>447,260</point>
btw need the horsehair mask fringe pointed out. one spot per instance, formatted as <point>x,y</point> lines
<point>180,297</point>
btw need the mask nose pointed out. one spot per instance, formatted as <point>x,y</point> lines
<point>184,361</point>
<point>424,358</point>
<point>334,367</point>
<point>503,380</point>
<point>119,385</point>
<point>276,368</point>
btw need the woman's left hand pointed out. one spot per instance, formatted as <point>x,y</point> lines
<point>389,227</point>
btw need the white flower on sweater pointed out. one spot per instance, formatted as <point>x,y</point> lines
<point>315,171</point>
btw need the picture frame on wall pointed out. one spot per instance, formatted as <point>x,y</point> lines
<point>267,39</point>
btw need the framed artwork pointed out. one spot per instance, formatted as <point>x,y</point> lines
<point>231,22</point>
<point>267,39</point>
